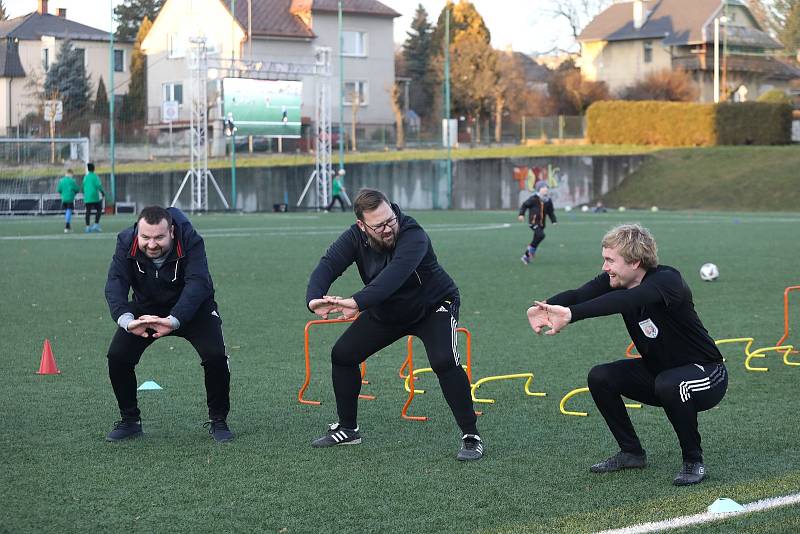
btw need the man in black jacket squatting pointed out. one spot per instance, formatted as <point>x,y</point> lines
<point>680,368</point>
<point>406,292</point>
<point>163,260</point>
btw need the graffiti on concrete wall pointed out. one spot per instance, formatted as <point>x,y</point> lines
<point>563,190</point>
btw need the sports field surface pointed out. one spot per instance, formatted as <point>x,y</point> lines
<point>59,475</point>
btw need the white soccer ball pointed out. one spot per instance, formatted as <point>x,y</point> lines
<point>709,272</point>
<point>654,209</point>
<point>584,208</point>
<point>568,208</point>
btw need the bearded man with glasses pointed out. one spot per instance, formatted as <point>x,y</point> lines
<point>406,292</point>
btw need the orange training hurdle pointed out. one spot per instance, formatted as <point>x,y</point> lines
<point>408,365</point>
<point>307,350</point>
<point>786,315</point>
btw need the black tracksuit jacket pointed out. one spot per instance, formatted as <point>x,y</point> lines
<point>401,286</point>
<point>180,287</point>
<point>658,313</point>
<point>537,208</point>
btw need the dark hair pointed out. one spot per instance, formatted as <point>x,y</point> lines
<point>154,215</point>
<point>368,200</point>
<point>90,167</point>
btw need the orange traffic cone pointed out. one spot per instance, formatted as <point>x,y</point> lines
<point>48,365</point>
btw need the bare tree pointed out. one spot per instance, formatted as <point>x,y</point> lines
<point>578,13</point>
<point>509,89</point>
<point>666,84</point>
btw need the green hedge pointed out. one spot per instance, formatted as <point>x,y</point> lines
<point>754,123</point>
<point>688,124</point>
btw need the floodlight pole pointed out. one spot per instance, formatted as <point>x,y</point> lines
<point>447,105</point>
<point>341,90</point>
<point>716,60</point>
<point>111,104</point>
<point>233,170</point>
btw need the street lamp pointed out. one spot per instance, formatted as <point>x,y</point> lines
<point>230,131</point>
<point>717,22</point>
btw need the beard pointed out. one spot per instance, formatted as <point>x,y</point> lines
<point>379,245</point>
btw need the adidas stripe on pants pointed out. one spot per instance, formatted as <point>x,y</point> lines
<point>682,392</point>
<point>366,336</point>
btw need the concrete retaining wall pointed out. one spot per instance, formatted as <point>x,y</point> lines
<point>477,184</point>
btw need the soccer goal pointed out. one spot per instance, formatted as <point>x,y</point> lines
<point>26,151</point>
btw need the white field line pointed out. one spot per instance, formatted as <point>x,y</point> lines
<point>269,232</point>
<point>706,517</point>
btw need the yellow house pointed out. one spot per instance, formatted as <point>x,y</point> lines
<point>630,40</point>
<point>278,31</point>
<point>29,45</point>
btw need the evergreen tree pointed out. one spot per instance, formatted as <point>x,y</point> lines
<point>786,16</point>
<point>131,14</point>
<point>137,91</point>
<point>417,55</point>
<point>472,62</point>
<point>101,100</point>
<point>68,81</point>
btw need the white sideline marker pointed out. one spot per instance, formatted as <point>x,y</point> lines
<point>706,517</point>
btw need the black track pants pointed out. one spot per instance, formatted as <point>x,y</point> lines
<point>204,332</point>
<point>366,336</point>
<point>682,392</point>
<point>538,235</point>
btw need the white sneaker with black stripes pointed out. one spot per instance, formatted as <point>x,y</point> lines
<point>338,435</point>
<point>471,448</point>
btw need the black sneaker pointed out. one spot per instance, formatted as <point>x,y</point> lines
<point>471,448</point>
<point>621,460</point>
<point>338,435</point>
<point>125,430</point>
<point>218,428</point>
<point>690,473</point>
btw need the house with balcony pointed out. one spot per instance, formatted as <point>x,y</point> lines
<point>632,39</point>
<point>262,31</point>
<point>29,45</point>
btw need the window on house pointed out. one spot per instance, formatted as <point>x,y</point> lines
<point>354,43</point>
<point>173,91</point>
<point>46,59</point>
<point>119,60</point>
<point>356,91</point>
<point>81,53</point>
<point>176,46</point>
<point>648,51</point>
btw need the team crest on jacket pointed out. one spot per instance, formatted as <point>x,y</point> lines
<point>649,328</point>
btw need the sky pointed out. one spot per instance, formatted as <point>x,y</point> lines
<point>526,25</point>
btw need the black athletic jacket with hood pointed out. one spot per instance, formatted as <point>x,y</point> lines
<point>401,286</point>
<point>180,287</point>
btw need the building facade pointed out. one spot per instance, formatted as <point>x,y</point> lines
<point>29,46</point>
<point>264,31</point>
<point>630,40</point>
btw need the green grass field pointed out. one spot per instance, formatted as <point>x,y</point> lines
<point>59,475</point>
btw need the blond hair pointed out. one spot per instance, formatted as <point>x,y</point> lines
<point>634,243</point>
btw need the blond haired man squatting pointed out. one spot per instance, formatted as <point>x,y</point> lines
<point>680,368</point>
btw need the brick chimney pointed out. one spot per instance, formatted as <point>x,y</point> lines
<point>42,10</point>
<point>62,12</point>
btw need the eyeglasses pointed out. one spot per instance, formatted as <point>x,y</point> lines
<point>378,228</point>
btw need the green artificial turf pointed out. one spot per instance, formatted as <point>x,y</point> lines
<point>59,475</point>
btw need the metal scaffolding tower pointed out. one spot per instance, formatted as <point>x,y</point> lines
<point>319,69</point>
<point>323,171</point>
<point>198,172</point>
